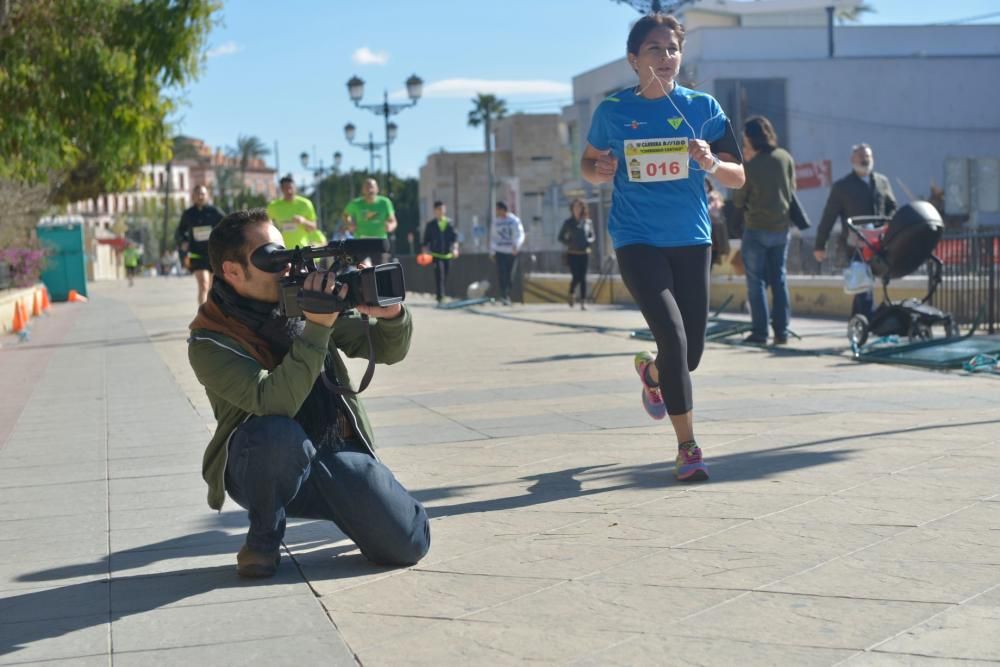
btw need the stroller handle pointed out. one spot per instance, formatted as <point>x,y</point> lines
<point>874,220</point>
<point>853,223</point>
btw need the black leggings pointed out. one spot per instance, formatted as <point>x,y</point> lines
<point>578,269</point>
<point>670,286</point>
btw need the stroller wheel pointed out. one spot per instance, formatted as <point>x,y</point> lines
<point>857,329</point>
<point>920,331</point>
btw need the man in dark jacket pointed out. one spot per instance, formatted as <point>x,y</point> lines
<point>862,192</point>
<point>291,440</point>
<point>192,234</point>
<point>441,241</point>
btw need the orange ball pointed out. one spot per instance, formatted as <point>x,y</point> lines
<point>424,259</point>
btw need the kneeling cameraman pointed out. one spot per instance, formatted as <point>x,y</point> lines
<point>285,444</point>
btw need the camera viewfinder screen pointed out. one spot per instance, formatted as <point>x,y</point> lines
<point>387,287</point>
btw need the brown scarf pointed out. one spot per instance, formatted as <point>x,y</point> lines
<point>211,318</point>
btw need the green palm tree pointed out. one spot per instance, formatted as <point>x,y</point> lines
<point>853,14</point>
<point>248,148</point>
<point>487,108</point>
<point>225,182</point>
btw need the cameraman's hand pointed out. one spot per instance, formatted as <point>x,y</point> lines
<point>382,312</point>
<point>314,283</point>
<point>379,312</point>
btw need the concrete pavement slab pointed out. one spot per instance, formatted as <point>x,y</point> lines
<point>320,649</point>
<point>803,620</point>
<point>659,649</point>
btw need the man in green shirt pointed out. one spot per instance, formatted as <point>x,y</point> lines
<point>295,216</point>
<point>131,258</point>
<point>370,216</point>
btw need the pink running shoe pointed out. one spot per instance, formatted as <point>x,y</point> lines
<point>690,467</point>
<point>652,399</point>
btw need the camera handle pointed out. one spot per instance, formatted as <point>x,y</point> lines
<point>369,372</point>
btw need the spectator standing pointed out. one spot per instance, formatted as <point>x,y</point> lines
<point>506,239</point>
<point>577,234</point>
<point>441,241</point>
<point>766,200</point>
<point>861,192</point>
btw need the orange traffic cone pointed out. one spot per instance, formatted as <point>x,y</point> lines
<point>24,312</point>
<point>76,297</point>
<point>19,324</point>
<point>46,303</point>
<point>36,305</point>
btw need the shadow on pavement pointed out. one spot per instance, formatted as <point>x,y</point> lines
<point>736,467</point>
<point>565,484</point>
<point>570,357</point>
<point>302,535</point>
<point>37,615</point>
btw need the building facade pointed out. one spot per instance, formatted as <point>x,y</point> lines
<point>530,162</point>
<point>219,172</point>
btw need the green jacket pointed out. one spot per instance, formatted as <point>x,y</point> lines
<point>238,387</point>
<point>767,194</point>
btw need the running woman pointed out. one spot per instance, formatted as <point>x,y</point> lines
<point>656,142</point>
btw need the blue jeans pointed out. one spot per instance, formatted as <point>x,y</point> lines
<point>764,256</point>
<point>274,472</point>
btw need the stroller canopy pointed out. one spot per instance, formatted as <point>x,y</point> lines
<point>909,240</point>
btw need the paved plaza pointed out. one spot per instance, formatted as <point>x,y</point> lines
<point>853,516</point>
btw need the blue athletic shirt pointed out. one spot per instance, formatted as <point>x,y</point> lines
<point>666,213</point>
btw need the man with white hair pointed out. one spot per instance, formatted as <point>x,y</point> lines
<point>861,192</point>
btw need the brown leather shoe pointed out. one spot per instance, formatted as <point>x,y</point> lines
<point>257,565</point>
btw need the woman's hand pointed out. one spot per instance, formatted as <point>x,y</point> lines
<point>598,166</point>
<point>701,152</point>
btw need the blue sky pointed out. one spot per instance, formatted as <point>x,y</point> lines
<point>280,72</point>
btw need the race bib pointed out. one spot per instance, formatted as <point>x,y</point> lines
<point>652,160</point>
<point>289,226</point>
<point>201,233</point>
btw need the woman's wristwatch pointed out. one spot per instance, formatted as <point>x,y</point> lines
<point>715,165</point>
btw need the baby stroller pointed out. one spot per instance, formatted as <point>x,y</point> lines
<point>896,247</point>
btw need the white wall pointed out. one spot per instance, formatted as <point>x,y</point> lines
<point>915,112</point>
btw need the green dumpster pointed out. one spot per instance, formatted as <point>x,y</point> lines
<point>66,267</point>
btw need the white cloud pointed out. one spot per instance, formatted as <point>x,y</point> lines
<point>509,88</point>
<point>227,49</point>
<point>365,56</point>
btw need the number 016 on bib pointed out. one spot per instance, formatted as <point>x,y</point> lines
<point>651,160</point>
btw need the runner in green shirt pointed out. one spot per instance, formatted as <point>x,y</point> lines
<point>131,258</point>
<point>295,216</point>
<point>370,216</point>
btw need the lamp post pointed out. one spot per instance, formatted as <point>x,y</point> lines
<point>356,90</point>
<point>319,173</point>
<point>371,145</point>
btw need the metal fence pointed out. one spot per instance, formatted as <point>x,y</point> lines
<point>970,278</point>
<point>5,277</point>
<point>969,285</point>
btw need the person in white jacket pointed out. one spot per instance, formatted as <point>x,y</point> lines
<point>506,240</point>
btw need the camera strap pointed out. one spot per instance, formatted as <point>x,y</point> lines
<point>369,372</point>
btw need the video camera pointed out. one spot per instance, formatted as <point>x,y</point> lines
<point>381,285</point>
